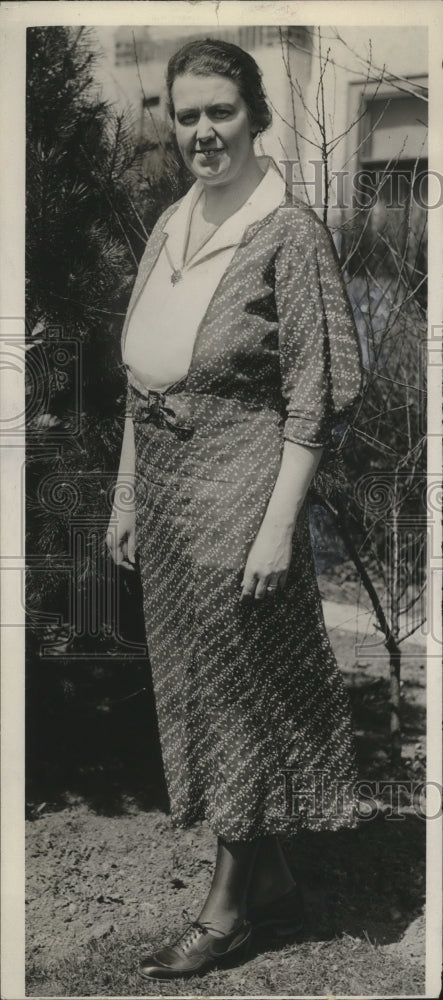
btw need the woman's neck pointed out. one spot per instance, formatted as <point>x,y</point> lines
<point>222,201</point>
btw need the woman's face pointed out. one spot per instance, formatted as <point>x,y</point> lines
<point>212,127</point>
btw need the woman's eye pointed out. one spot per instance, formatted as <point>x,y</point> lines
<point>221,113</point>
<point>188,119</point>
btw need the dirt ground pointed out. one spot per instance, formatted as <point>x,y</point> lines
<point>101,878</point>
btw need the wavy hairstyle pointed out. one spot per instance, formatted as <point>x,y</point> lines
<point>208,56</point>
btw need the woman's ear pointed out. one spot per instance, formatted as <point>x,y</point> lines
<point>255,127</point>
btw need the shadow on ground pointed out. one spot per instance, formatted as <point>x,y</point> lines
<point>368,882</point>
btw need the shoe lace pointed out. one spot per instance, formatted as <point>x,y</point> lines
<point>191,933</point>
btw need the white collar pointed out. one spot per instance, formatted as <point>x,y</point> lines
<point>265,198</point>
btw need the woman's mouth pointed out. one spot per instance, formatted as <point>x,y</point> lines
<point>210,153</point>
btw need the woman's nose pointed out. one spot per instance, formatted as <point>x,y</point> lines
<point>205,128</point>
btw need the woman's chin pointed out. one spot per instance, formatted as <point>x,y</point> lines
<point>210,170</point>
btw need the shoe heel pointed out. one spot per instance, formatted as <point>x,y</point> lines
<point>236,955</point>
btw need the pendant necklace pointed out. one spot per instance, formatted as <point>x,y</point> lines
<point>177,272</point>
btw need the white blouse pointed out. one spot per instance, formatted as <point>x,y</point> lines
<point>164,322</point>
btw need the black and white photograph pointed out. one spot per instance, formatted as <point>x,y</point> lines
<point>221,533</point>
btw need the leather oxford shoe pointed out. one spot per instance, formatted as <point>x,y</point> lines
<point>196,951</point>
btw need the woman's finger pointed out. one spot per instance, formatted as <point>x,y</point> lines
<point>131,548</point>
<point>125,562</point>
<point>273,585</point>
<point>261,590</point>
<point>269,586</point>
<point>248,584</point>
<point>121,551</point>
<point>113,547</point>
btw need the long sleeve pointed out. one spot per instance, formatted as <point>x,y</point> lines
<point>320,354</point>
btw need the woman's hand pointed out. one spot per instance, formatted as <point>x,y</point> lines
<point>120,538</point>
<point>268,562</point>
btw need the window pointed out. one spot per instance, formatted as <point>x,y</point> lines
<point>393,173</point>
<point>393,152</point>
<point>394,128</point>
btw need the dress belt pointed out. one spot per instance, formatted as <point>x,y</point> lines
<point>158,409</point>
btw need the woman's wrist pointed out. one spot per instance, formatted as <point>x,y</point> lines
<point>297,468</point>
<point>283,523</point>
<point>283,508</point>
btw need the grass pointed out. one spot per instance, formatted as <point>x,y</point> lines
<point>342,966</point>
<point>362,890</point>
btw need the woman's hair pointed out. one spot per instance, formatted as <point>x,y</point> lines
<point>208,56</point>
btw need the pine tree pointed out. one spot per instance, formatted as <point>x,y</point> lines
<point>87,221</point>
<point>90,209</point>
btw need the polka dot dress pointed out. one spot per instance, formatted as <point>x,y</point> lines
<point>253,715</point>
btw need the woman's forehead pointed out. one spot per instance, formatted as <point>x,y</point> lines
<point>192,90</point>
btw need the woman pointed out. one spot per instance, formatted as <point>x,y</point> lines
<point>240,351</point>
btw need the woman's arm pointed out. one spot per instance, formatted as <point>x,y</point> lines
<point>270,555</point>
<point>126,468</point>
<point>120,538</point>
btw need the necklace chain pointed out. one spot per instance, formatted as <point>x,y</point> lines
<point>177,272</point>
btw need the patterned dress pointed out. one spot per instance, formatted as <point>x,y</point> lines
<point>253,715</point>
